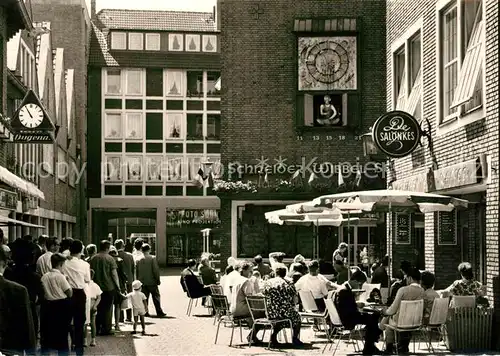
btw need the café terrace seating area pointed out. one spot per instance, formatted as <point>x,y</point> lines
<point>455,324</point>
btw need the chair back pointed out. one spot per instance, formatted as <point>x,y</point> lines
<point>257,306</point>
<point>367,290</point>
<point>411,313</point>
<point>331,294</point>
<point>216,289</point>
<point>200,279</point>
<point>332,312</point>
<point>439,312</point>
<point>220,304</point>
<point>468,301</point>
<point>384,292</point>
<point>308,302</point>
<point>187,289</point>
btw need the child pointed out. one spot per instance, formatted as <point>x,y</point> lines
<point>139,305</point>
<point>93,292</point>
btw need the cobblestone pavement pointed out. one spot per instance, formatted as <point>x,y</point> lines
<point>180,334</point>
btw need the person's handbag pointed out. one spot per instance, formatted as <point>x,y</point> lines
<point>125,304</point>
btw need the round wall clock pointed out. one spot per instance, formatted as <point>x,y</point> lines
<point>327,61</point>
<point>31,115</point>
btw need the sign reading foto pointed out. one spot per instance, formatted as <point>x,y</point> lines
<point>397,134</point>
<point>31,123</point>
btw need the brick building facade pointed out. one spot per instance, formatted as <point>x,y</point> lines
<point>269,112</point>
<point>452,48</point>
<point>153,121</point>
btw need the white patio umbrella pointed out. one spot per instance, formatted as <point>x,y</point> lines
<point>322,217</point>
<point>388,200</point>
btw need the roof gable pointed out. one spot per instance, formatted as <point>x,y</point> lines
<point>58,80</point>
<point>13,47</point>
<point>155,20</point>
<point>43,53</point>
<point>70,102</point>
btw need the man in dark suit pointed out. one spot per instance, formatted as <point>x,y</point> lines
<point>148,272</point>
<point>350,315</point>
<point>191,282</point>
<point>380,275</point>
<point>128,269</point>
<point>17,332</point>
<point>263,268</point>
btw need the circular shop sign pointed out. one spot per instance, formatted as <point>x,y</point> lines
<point>397,133</point>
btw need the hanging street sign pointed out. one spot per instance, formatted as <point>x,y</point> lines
<point>397,134</point>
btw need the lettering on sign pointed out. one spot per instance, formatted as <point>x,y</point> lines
<point>403,229</point>
<point>396,133</point>
<point>193,217</point>
<point>447,228</point>
<point>458,175</point>
<point>33,138</point>
<point>417,183</point>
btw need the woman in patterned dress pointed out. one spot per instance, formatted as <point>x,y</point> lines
<point>281,298</point>
<point>467,286</point>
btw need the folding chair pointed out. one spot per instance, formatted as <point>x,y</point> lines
<point>311,310</point>
<point>437,321</point>
<point>221,307</point>
<point>258,306</point>
<point>410,317</point>
<point>191,299</point>
<point>367,291</point>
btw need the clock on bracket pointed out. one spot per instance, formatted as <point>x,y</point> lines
<point>31,116</point>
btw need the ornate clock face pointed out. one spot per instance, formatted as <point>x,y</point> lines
<point>327,61</point>
<point>31,115</point>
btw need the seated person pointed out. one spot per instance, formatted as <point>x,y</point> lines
<point>231,280</point>
<point>262,267</point>
<point>400,282</point>
<point>412,291</point>
<point>311,282</point>
<point>227,271</point>
<point>206,272</point>
<point>298,265</point>
<point>191,283</point>
<point>380,275</point>
<point>280,298</point>
<point>427,283</point>
<point>467,286</point>
<point>350,316</point>
<point>257,281</point>
<point>276,260</point>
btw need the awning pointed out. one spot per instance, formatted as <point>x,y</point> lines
<point>24,186</point>
<point>8,221</point>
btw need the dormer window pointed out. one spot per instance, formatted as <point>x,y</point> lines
<point>135,41</point>
<point>118,40</point>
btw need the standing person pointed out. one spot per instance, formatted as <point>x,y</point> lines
<point>342,272</point>
<point>77,273</point>
<point>276,261</point>
<point>148,272</point>
<point>93,292</point>
<point>139,303</point>
<point>128,269</point>
<point>137,252</point>
<point>55,313</point>
<point>106,276</point>
<point>40,248</point>
<point>339,253</point>
<point>22,272</point>
<point>122,278</point>
<point>65,245</point>
<point>91,250</point>
<point>17,332</point>
<point>43,264</point>
<point>380,275</point>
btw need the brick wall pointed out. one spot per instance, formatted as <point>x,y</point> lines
<point>461,144</point>
<point>259,72</point>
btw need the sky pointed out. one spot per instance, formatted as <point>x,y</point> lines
<point>179,5</point>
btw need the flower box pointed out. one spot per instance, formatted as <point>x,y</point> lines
<point>469,330</point>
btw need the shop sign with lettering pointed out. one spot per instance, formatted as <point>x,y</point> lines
<point>8,199</point>
<point>458,175</point>
<point>397,133</point>
<point>416,183</point>
<point>193,217</point>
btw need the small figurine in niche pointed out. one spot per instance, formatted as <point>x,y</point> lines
<point>328,114</point>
